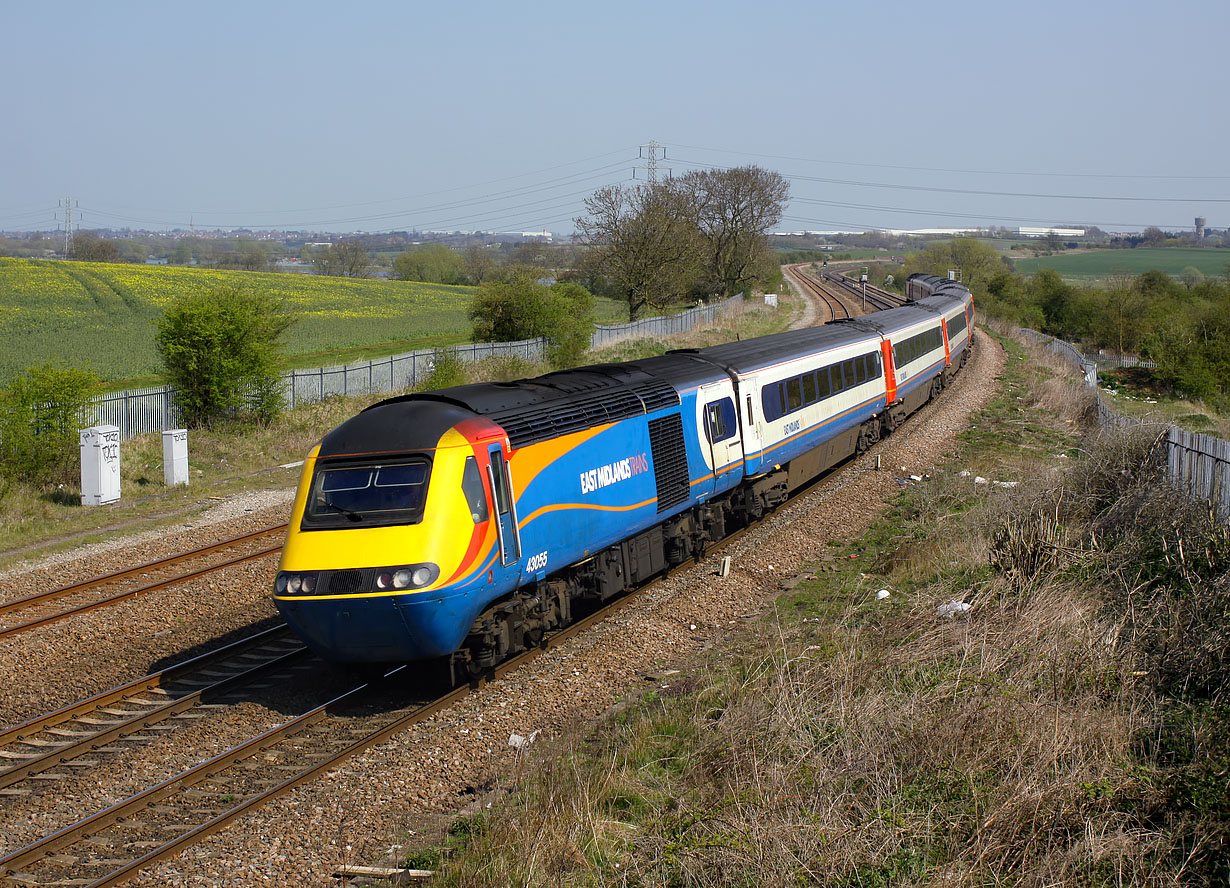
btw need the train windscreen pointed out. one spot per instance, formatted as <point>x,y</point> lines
<point>385,493</point>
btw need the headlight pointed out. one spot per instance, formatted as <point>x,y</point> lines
<point>289,583</point>
<point>411,576</point>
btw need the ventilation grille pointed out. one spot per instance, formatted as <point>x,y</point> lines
<point>670,461</point>
<point>658,395</point>
<point>344,582</point>
<point>529,425</point>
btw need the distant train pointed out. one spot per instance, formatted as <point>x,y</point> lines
<point>467,522</point>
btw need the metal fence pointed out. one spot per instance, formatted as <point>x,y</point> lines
<point>139,411</point>
<point>609,334</point>
<point>1200,464</point>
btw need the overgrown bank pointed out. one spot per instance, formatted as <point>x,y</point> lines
<point>1068,728</point>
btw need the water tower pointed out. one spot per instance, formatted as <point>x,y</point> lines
<point>1200,221</point>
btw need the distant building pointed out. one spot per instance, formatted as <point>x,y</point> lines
<point>1045,232</point>
<point>1200,223</point>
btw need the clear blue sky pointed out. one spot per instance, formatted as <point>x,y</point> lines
<point>391,115</point>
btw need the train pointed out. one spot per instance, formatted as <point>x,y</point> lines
<point>462,525</point>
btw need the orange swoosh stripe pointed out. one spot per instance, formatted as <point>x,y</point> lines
<point>558,506</point>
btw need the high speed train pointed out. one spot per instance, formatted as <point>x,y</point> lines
<point>466,522</point>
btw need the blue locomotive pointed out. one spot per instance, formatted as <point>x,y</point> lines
<point>468,521</point>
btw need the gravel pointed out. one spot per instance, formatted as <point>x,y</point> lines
<point>364,811</point>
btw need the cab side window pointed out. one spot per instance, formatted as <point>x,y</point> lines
<point>472,487</point>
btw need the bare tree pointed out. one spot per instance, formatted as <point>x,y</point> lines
<point>478,264</point>
<point>733,210</point>
<point>642,241</point>
<point>346,258</point>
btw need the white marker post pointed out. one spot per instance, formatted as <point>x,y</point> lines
<point>100,465</point>
<point>175,457</point>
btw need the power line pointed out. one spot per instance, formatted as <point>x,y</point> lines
<point>883,166</point>
<point>981,192</point>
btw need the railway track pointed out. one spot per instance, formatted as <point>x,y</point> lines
<point>877,298</point>
<point>44,608</point>
<point>837,308</point>
<point>113,845</point>
<point>77,735</point>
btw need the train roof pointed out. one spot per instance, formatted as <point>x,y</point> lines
<point>764,351</point>
<point>558,403</point>
<point>944,303</point>
<point>936,285</point>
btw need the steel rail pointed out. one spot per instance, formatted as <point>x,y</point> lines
<point>154,680</point>
<point>143,718</point>
<point>818,289</point>
<point>109,600</point>
<point>26,601</point>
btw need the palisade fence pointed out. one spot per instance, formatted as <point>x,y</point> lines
<point>139,411</point>
<point>1200,464</point>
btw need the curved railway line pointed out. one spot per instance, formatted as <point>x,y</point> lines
<point>113,845</point>
<point>44,608</point>
<point>836,306</point>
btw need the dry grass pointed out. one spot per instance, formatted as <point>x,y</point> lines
<point>1035,740</point>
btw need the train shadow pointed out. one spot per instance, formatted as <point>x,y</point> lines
<point>299,684</point>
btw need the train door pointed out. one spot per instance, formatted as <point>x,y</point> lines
<point>720,422</point>
<point>505,507</point>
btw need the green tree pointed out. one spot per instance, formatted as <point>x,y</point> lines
<point>430,263</point>
<point>522,308</point>
<point>220,350</point>
<point>41,414</point>
<point>1191,276</point>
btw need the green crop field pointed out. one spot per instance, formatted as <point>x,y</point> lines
<point>1098,265</point>
<point>101,316</point>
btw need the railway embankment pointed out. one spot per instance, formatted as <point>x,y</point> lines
<point>1012,672</point>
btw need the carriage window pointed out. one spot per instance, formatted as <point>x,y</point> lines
<point>822,382</point>
<point>809,389</point>
<point>794,394</point>
<point>720,420</point>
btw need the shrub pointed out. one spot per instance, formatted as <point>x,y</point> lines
<point>220,350</point>
<point>447,369</point>
<point>40,419</point>
<point>522,308</point>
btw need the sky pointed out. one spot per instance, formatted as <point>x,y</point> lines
<point>377,116</point>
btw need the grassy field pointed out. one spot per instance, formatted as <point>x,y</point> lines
<point>101,316</point>
<point>1097,265</point>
